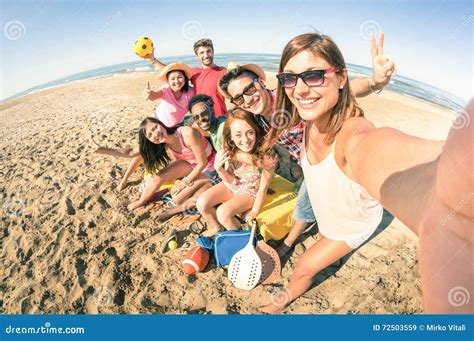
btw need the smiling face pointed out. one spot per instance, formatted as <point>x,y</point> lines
<point>205,55</point>
<point>155,133</point>
<point>176,80</point>
<point>203,115</point>
<point>313,103</point>
<point>243,135</point>
<point>257,102</point>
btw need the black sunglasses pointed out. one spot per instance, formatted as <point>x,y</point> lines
<point>249,90</point>
<point>206,112</point>
<point>310,78</point>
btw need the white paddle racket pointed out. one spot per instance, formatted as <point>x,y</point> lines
<point>245,268</point>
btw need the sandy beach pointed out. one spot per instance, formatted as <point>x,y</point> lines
<point>69,246</point>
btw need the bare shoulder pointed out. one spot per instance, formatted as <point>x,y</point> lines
<point>189,132</point>
<point>353,129</point>
<point>357,125</point>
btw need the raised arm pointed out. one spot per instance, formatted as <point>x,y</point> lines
<point>156,63</point>
<point>150,94</point>
<point>221,162</point>
<point>383,68</point>
<point>193,139</point>
<point>267,175</point>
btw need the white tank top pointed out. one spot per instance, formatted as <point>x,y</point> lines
<point>343,208</point>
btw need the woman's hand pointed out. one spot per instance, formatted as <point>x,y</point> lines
<point>222,159</point>
<point>97,149</point>
<point>250,216</point>
<point>148,93</point>
<point>383,67</point>
<point>177,187</point>
<point>151,56</point>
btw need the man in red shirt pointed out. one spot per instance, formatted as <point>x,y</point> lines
<point>206,77</point>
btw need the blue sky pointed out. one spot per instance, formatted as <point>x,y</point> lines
<point>42,40</point>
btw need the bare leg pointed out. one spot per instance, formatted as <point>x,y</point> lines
<point>132,167</point>
<point>189,203</point>
<point>206,203</point>
<point>227,211</point>
<point>302,215</point>
<point>296,230</point>
<point>174,170</point>
<point>188,191</point>
<point>316,258</point>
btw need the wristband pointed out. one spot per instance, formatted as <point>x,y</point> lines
<point>188,184</point>
<point>372,90</point>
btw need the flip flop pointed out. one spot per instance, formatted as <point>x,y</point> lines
<point>190,218</point>
<point>271,264</point>
<point>191,211</point>
<point>175,220</point>
<point>171,236</point>
<point>184,248</point>
<point>197,226</point>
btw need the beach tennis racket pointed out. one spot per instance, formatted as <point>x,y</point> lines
<point>271,264</point>
<point>245,267</point>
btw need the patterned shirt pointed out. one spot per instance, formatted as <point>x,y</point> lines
<point>290,138</point>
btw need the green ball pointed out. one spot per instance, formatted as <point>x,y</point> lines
<point>172,245</point>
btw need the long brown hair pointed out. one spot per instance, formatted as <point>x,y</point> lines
<point>154,155</point>
<point>259,156</point>
<point>346,105</point>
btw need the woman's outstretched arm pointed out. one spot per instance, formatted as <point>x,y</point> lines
<point>429,186</point>
<point>117,152</point>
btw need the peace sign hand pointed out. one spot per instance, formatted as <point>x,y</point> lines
<point>221,159</point>
<point>383,67</point>
<point>148,93</point>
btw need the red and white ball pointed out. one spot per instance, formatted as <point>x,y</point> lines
<point>195,260</point>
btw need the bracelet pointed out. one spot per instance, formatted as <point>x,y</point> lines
<point>188,184</point>
<point>372,90</point>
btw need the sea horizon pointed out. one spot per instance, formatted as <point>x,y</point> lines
<point>269,62</point>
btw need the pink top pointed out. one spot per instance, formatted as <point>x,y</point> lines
<point>171,111</point>
<point>187,153</point>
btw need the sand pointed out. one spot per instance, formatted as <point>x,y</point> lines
<point>69,246</point>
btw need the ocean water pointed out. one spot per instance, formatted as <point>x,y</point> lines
<point>269,62</point>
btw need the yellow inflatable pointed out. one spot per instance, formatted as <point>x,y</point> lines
<point>146,175</point>
<point>276,217</point>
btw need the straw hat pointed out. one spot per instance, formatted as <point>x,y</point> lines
<point>250,67</point>
<point>175,66</point>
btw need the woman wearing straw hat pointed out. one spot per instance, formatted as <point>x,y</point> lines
<point>174,97</point>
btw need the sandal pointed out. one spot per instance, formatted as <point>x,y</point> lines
<point>197,226</point>
<point>190,218</point>
<point>171,236</point>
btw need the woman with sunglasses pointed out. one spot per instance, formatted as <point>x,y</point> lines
<point>244,86</point>
<point>351,169</point>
